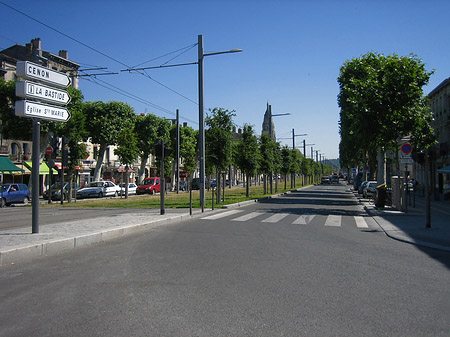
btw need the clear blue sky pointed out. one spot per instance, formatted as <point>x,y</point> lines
<point>292,52</point>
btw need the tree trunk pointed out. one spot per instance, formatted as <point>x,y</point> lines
<point>381,167</point>
<point>100,158</point>
<point>141,176</point>
<point>247,190</point>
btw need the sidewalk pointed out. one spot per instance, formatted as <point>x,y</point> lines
<point>410,226</point>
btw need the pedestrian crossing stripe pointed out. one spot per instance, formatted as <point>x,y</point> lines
<point>304,219</point>
<point>248,216</point>
<point>222,214</point>
<point>331,220</point>
<point>361,222</point>
<point>276,217</point>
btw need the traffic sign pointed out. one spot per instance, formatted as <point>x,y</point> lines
<point>48,150</point>
<point>43,111</point>
<point>28,89</point>
<point>406,148</point>
<point>34,71</point>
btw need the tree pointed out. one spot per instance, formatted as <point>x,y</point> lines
<point>104,122</point>
<point>381,100</point>
<point>285,163</point>
<point>247,154</point>
<point>146,128</point>
<point>218,141</point>
<point>266,149</point>
<point>189,149</point>
<point>127,150</point>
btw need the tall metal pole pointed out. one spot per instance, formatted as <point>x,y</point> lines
<point>178,151</point>
<point>201,122</point>
<point>35,177</point>
<point>162,181</point>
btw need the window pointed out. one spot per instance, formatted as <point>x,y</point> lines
<point>14,148</point>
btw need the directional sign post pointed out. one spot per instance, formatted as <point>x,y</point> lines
<point>34,71</point>
<point>27,89</point>
<point>41,111</point>
<point>38,111</point>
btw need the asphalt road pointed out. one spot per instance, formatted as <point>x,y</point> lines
<point>310,263</point>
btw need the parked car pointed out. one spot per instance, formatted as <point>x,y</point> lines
<point>13,194</point>
<point>370,189</point>
<point>334,178</point>
<point>361,187</point>
<point>131,188</point>
<point>149,186</point>
<point>196,183</point>
<point>56,191</point>
<point>99,189</point>
<point>325,180</point>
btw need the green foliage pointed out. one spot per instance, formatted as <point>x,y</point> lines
<point>218,138</point>
<point>381,99</point>
<point>127,146</point>
<point>12,127</point>
<point>247,153</point>
<point>188,148</point>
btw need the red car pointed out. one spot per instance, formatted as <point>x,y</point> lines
<point>149,186</point>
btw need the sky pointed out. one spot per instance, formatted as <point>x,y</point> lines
<point>291,58</point>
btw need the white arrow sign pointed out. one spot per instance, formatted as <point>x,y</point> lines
<point>28,89</point>
<point>42,111</point>
<point>34,71</point>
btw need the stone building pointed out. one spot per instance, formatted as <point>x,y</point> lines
<point>268,126</point>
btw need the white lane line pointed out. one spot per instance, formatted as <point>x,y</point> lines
<point>304,219</point>
<point>361,222</point>
<point>333,221</point>
<point>221,215</point>
<point>276,217</point>
<point>247,217</point>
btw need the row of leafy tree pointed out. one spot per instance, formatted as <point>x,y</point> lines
<point>135,136</point>
<point>381,100</point>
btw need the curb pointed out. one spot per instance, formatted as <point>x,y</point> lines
<point>396,233</point>
<point>53,246</point>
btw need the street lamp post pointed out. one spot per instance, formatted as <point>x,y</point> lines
<point>201,114</point>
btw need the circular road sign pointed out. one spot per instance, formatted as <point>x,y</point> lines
<point>406,148</point>
<point>48,150</point>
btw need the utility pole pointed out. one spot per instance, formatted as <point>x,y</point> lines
<point>178,151</point>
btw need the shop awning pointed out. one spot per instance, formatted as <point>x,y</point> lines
<point>7,166</point>
<point>444,170</point>
<point>43,170</point>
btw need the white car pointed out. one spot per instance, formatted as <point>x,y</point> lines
<point>99,189</point>
<point>131,188</point>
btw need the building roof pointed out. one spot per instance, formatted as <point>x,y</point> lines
<point>443,84</point>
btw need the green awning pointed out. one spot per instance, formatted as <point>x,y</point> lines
<point>7,166</point>
<point>43,170</point>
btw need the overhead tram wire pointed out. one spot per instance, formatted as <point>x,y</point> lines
<point>125,93</point>
<point>91,48</point>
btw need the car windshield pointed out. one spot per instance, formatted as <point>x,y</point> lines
<point>96,184</point>
<point>56,186</point>
<point>149,182</point>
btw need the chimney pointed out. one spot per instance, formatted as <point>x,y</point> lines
<point>239,130</point>
<point>184,124</point>
<point>64,54</point>
<point>36,44</point>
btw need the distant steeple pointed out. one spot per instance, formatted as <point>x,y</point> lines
<point>266,123</point>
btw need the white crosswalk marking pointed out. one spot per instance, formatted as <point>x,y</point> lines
<point>221,215</point>
<point>248,216</point>
<point>333,221</point>
<point>304,219</point>
<point>361,222</point>
<point>276,217</point>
